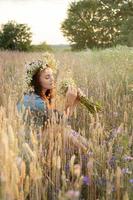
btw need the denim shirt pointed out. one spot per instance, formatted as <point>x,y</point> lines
<point>32,101</point>
<point>39,113</point>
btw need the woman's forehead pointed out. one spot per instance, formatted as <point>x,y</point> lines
<point>47,71</point>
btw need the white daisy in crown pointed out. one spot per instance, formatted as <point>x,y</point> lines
<point>32,68</point>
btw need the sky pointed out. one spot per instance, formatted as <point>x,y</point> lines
<point>44,17</point>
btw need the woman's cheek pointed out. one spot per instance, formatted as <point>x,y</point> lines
<point>43,82</point>
<point>46,83</point>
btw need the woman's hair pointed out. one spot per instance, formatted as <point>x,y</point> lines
<point>50,93</point>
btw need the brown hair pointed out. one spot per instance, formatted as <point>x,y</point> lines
<point>50,93</point>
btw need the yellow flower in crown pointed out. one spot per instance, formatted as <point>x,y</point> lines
<point>50,60</point>
<point>47,60</point>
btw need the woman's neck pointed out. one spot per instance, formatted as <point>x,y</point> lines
<point>44,91</point>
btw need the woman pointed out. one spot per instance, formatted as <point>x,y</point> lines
<point>40,104</point>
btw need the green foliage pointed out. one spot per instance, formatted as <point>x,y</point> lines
<point>96,23</point>
<point>41,47</point>
<point>126,37</point>
<point>14,36</point>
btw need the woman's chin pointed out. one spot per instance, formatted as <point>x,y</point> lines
<point>51,87</point>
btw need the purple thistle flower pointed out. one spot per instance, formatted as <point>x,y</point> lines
<point>131,181</point>
<point>86,180</point>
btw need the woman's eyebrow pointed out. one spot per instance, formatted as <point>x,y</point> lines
<point>48,74</point>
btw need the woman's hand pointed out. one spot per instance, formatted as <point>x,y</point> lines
<point>80,93</point>
<point>72,98</point>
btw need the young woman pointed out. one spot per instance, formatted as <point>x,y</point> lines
<point>40,104</point>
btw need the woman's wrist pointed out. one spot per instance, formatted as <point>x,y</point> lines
<point>69,111</point>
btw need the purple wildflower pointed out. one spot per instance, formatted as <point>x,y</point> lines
<point>67,167</point>
<point>86,180</point>
<point>128,158</point>
<point>126,171</point>
<point>131,180</point>
<point>112,161</point>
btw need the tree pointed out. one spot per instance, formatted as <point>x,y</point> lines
<point>126,28</point>
<point>126,37</point>
<point>95,23</point>
<point>14,36</point>
<point>78,27</point>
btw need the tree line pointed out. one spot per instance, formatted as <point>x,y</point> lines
<point>15,36</point>
<point>89,24</point>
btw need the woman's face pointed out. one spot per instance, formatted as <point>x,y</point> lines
<point>47,79</point>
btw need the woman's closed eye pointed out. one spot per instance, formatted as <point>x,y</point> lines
<point>47,77</point>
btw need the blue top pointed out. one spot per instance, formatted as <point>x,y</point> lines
<point>32,101</point>
<point>39,111</point>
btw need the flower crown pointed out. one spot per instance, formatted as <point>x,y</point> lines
<point>33,67</point>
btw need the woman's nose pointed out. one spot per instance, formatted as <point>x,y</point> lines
<point>52,78</point>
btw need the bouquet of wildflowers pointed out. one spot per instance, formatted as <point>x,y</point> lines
<point>92,107</point>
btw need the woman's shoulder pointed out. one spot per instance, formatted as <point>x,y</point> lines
<point>32,101</point>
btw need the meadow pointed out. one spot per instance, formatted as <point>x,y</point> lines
<point>46,165</point>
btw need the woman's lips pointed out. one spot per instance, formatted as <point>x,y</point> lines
<point>51,84</point>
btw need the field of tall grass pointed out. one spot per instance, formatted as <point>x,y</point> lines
<point>47,165</point>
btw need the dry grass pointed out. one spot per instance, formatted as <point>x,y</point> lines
<point>48,164</point>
